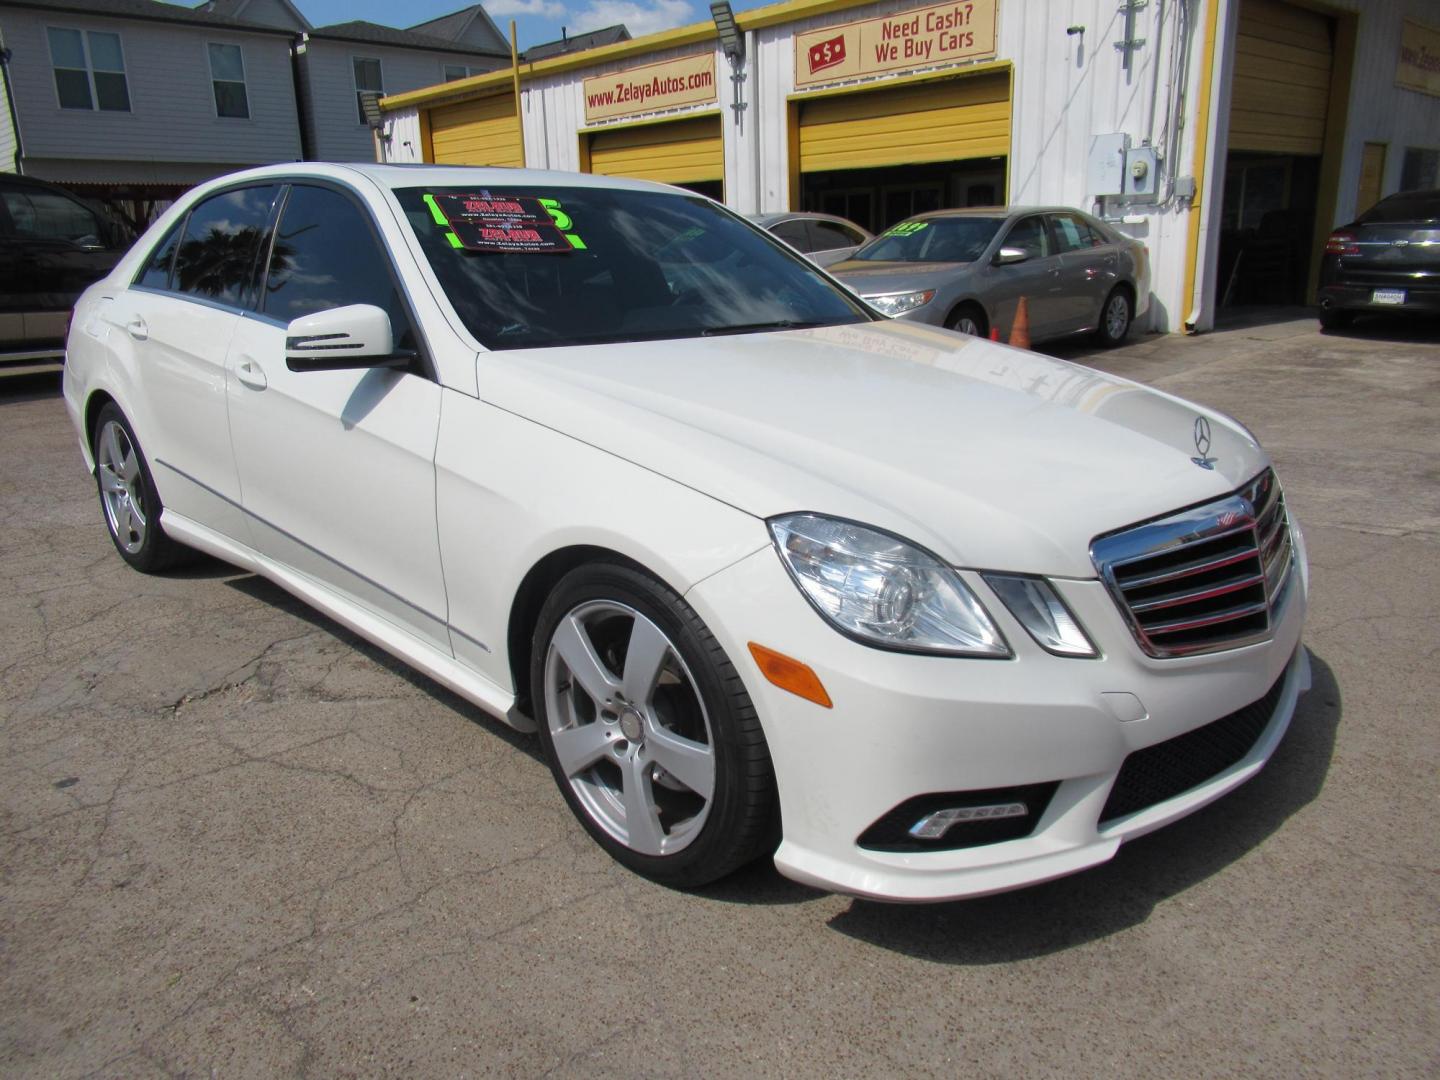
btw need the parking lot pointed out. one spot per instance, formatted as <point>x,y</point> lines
<point>239,841</point>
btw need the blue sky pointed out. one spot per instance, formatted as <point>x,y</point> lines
<point>536,20</point>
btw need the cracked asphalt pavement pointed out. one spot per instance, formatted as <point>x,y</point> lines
<point>235,840</point>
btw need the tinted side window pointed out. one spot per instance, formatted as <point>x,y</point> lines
<point>1031,235</point>
<point>222,237</point>
<point>156,274</point>
<point>47,216</point>
<point>325,256</point>
<point>1073,234</point>
<point>794,234</point>
<point>827,235</point>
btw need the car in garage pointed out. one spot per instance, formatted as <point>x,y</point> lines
<point>1385,262</point>
<point>52,246</point>
<point>970,270</point>
<point>918,615</point>
<point>822,238</point>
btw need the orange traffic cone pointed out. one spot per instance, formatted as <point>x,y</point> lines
<point>1020,328</point>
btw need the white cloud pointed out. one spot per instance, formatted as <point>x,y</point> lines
<point>547,9</point>
<point>639,16</point>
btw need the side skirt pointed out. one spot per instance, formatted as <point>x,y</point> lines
<point>444,669</point>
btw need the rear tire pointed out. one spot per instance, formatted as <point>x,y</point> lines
<point>128,500</point>
<point>1336,318</point>
<point>1115,317</point>
<point>648,730</point>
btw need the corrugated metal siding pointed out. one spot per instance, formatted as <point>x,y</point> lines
<point>172,115</point>
<point>479,132</point>
<point>949,120</point>
<point>678,152</point>
<point>1281,89</point>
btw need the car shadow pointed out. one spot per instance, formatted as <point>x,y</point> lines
<point>1122,893</point>
<point>1402,329</point>
<point>267,592</point>
<point>38,386</point>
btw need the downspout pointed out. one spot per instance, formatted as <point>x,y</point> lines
<point>297,50</point>
<point>515,89</point>
<point>1202,146</point>
<point>10,104</point>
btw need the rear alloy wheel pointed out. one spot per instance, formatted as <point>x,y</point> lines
<point>128,496</point>
<point>649,733</point>
<point>1115,318</point>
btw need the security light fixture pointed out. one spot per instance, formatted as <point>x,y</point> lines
<point>731,40</point>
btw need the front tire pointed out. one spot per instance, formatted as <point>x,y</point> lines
<point>968,319</point>
<point>648,730</point>
<point>128,498</point>
<point>1115,318</point>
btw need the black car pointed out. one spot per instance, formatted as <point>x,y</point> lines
<point>1387,260</point>
<point>52,246</point>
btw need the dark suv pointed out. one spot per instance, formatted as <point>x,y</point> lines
<point>1387,260</point>
<point>52,246</point>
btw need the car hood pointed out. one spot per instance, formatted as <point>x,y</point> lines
<point>989,456</point>
<point>876,278</point>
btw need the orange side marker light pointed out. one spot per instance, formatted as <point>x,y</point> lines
<point>790,674</point>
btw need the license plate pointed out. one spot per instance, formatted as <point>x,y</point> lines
<point>1388,296</point>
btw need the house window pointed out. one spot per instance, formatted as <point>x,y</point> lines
<point>460,71</point>
<point>227,76</point>
<point>89,70</point>
<point>367,80</point>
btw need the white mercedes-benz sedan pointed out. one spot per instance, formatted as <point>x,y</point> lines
<point>923,616</point>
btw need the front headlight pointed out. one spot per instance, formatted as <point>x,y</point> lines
<point>882,591</point>
<point>893,304</point>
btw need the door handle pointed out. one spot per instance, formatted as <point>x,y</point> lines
<point>137,329</point>
<point>250,373</point>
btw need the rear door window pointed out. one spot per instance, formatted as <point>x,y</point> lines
<point>795,234</point>
<point>1073,233</point>
<point>828,235</point>
<point>221,244</point>
<point>156,274</point>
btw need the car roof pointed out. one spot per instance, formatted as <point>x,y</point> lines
<point>770,217</point>
<point>999,212</point>
<point>407,176</point>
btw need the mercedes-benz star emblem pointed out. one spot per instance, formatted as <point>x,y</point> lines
<point>1202,444</point>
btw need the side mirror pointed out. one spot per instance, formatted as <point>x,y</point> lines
<point>1007,256</point>
<point>356,336</point>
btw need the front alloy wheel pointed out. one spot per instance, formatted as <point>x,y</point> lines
<point>649,734</point>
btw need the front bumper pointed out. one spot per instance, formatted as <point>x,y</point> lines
<point>905,725</point>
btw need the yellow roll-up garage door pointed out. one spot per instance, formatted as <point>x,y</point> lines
<point>945,120</point>
<point>479,132</point>
<point>675,152</point>
<point>1283,56</point>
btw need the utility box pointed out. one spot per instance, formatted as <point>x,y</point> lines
<point>1105,173</point>
<point>1142,176</point>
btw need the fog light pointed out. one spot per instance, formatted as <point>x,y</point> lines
<point>934,826</point>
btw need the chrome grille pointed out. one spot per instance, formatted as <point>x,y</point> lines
<point>1203,579</point>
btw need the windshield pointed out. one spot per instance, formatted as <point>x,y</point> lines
<point>952,239</point>
<point>531,267</point>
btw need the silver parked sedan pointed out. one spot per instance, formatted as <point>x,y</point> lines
<point>822,238</point>
<point>968,270</point>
